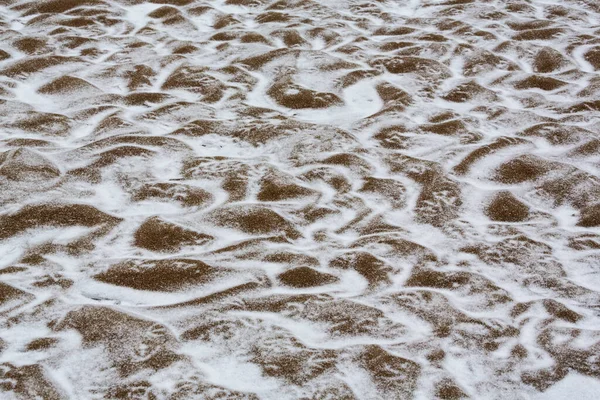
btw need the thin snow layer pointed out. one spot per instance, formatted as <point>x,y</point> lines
<point>259,199</point>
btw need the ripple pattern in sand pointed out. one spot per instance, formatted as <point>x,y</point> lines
<point>298,199</point>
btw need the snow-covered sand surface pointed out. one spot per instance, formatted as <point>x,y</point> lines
<point>299,199</point>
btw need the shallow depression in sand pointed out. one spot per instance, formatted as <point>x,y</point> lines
<point>297,199</point>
